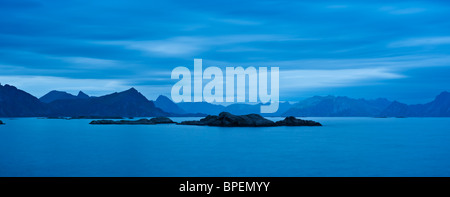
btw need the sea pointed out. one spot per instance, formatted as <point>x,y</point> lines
<point>342,147</point>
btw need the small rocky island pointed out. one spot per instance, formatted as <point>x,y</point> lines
<point>292,121</point>
<point>157,120</point>
<point>85,117</point>
<point>226,119</point>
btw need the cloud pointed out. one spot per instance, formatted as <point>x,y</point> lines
<point>300,80</point>
<point>401,11</point>
<point>396,62</point>
<point>175,47</point>
<point>238,21</point>
<point>91,63</point>
<point>337,6</point>
<point>128,42</point>
<point>421,42</point>
<point>191,45</point>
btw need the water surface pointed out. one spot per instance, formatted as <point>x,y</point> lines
<point>342,147</point>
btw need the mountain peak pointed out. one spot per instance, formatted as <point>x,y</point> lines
<point>444,93</point>
<point>18,103</point>
<point>57,91</point>
<point>9,86</point>
<point>81,94</point>
<point>131,93</point>
<point>56,95</point>
<point>128,103</point>
<point>163,98</point>
<point>439,107</point>
<point>443,97</point>
<point>131,90</point>
<point>168,105</point>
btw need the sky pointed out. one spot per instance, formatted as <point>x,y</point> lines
<point>362,49</point>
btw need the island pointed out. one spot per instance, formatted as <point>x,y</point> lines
<point>292,121</point>
<point>226,119</point>
<point>86,117</point>
<point>157,120</point>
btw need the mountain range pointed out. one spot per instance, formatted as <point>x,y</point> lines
<point>59,95</point>
<point>131,103</point>
<point>330,106</point>
<point>18,103</point>
<point>439,107</point>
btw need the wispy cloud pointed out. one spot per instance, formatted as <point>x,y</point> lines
<point>421,42</point>
<point>401,11</point>
<point>135,43</point>
<point>189,45</point>
<point>238,21</point>
<point>300,80</point>
<point>397,62</point>
<point>337,6</point>
<point>92,63</point>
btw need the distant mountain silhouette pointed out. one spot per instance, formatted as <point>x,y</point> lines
<point>18,103</point>
<point>82,95</point>
<point>168,105</point>
<point>201,107</point>
<point>330,106</point>
<point>242,109</point>
<point>60,95</point>
<point>439,107</point>
<point>129,103</point>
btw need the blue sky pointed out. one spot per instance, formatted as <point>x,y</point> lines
<point>397,50</point>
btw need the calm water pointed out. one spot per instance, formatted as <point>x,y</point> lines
<point>342,147</point>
